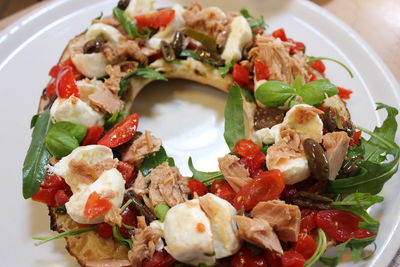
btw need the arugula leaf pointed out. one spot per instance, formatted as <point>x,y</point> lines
<point>223,71</point>
<point>146,73</point>
<point>374,173</point>
<point>64,234</point>
<point>234,119</point>
<point>313,93</point>
<point>206,178</point>
<point>193,54</point>
<point>152,161</point>
<point>114,119</point>
<point>37,157</point>
<point>128,26</point>
<point>255,23</point>
<point>117,235</point>
<point>274,93</point>
<point>320,249</point>
<point>313,59</point>
<point>100,16</point>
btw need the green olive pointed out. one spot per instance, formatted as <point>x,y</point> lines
<point>317,160</point>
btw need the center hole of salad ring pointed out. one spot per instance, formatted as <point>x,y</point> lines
<point>189,119</point>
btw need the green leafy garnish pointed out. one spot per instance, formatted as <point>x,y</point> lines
<point>117,235</point>
<point>372,153</point>
<point>193,54</point>
<point>126,205</point>
<point>226,69</point>
<point>37,157</point>
<point>255,23</point>
<point>313,59</point>
<point>157,158</point>
<point>321,247</point>
<point>206,178</point>
<point>161,211</point>
<point>274,93</point>
<point>203,38</point>
<point>63,137</point>
<point>128,26</point>
<point>146,73</point>
<point>313,93</point>
<point>114,119</point>
<point>234,119</point>
<point>64,234</point>
<point>99,16</point>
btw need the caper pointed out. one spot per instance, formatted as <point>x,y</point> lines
<point>93,46</point>
<point>178,42</point>
<point>167,51</point>
<point>123,4</point>
<point>317,160</point>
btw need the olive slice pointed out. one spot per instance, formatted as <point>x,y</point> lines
<point>123,4</point>
<point>317,160</point>
<point>178,43</point>
<point>167,51</point>
<point>93,46</point>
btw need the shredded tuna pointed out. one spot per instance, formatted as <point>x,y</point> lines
<point>234,172</point>
<point>145,145</point>
<point>284,218</point>
<point>288,147</point>
<point>258,232</point>
<point>106,101</point>
<point>112,83</point>
<point>89,173</point>
<point>336,145</point>
<point>109,20</point>
<point>113,216</point>
<point>304,114</point>
<point>125,50</point>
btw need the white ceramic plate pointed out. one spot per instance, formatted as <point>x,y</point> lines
<point>188,117</point>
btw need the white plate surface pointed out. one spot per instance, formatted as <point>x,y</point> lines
<point>188,117</point>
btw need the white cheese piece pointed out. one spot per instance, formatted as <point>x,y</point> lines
<point>90,65</point>
<point>311,128</point>
<point>239,36</point>
<point>167,33</point>
<point>109,33</point>
<point>294,170</point>
<point>87,87</point>
<point>187,233</point>
<point>139,7</point>
<point>268,135</point>
<point>110,183</point>
<point>91,154</point>
<point>220,213</point>
<point>75,110</point>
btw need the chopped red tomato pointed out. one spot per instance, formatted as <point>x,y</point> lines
<point>273,260</point>
<point>312,76</point>
<point>245,148</point>
<point>297,46</point>
<point>240,75</point>
<point>46,195</point>
<point>61,197</point>
<point>54,71</point>
<point>292,259</point>
<point>51,88</point>
<point>222,189</point>
<point>65,83</point>
<point>244,258</point>
<point>121,133</point>
<point>344,93</point>
<point>129,217</point>
<point>281,34</point>
<point>54,181</point>
<point>305,245</point>
<point>356,139</point>
<point>126,170</point>
<point>318,66</point>
<point>267,185</point>
<point>308,220</point>
<point>93,135</point>
<point>261,71</point>
<point>156,20</point>
<point>341,225</point>
<point>96,206</point>
<point>254,163</point>
<point>104,230</point>
<point>198,187</point>
<point>159,259</point>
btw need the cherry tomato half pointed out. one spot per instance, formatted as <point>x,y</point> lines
<point>305,245</point>
<point>96,206</point>
<point>104,230</point>
<point>261,71</point>
<point>292,259</point>
<point>121,133</point>
<point>156,20</point>
<point>222,189</point>
<point>245,148</point>
<point>198,187</point>
<point>281,34</point>
<point>93,135</point>
<point>240,75</point>
<point>65,83</point>
<point>319,66</point>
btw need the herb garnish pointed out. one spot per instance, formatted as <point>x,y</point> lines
<point>155,159</point>
<point>64,234</point>
<point>147,73</point>
<point>114,119</point>
<point>206,178</point>
<point>234,119</point>
<point>313,59</point>
<point>255,23</point>
<point>128,26</point>
<point>223,71</point>
<point>117,235</point>
<point>320,249</point>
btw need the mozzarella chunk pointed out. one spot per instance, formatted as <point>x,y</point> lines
<point>91,154</point>
<point>308,127</point>
<point>239,36</point>
<point>268,135</point>
<point>108,32</point>
<point>188,235</point>
<point>167,33</point>
<point>220,213</point>
<point>87,87</point>
<point>294,170</point>
<point>75,110</point>
<point>139,7</point>
<point>90,65</point>
<point>110,183</point>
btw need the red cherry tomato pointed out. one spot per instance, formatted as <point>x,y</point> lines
<point>104,230</point>
<point>96,206</point>
<point>51,88</point>
<point>344,93</point>
<point>156,20</point>
<point>198,187</point>
<point>312,76</point>
<point>121,133</point>
<point>46,195</point>
<point>341,225</point>
<point>159,259</point>
<point>356,139</point>
<point>240,75</point>
<point>61,197</point>
<point>268,185</point>
<point>298,46</point>
<point>126,170</point>
<point>254,163</point>
<point>65,83</point>
<point>93,135</point>
<point>222,189</point>
<point>129,217</point>
<point>305,245</point>
<point>54,181</point>
<point>261,71</point>
<point>244,258</point>
<point>281,34</point>
<point>245,148</point>
<point>292,259</point>
<point>308,220</point>
<point>319,66</point>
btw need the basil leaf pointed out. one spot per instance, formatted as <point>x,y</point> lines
<point>37,157</point>
<point>63,234</point>
<point>234,118</point>
<point>76,130</point>
<point>206,178</point>
<point>147,73</point>
<point>313,59</point>
<point>114,119</point>
<point>274,93</point>
<point>60,143</point>
<point>223,71</point>
<point>255,23</point>
<point>313,93</point>
<point>128,26</point>
<point>155,159</point>
<point>298,82</point>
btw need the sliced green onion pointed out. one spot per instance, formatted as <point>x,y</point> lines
<point>126,205</point>
<point>61,235</point>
